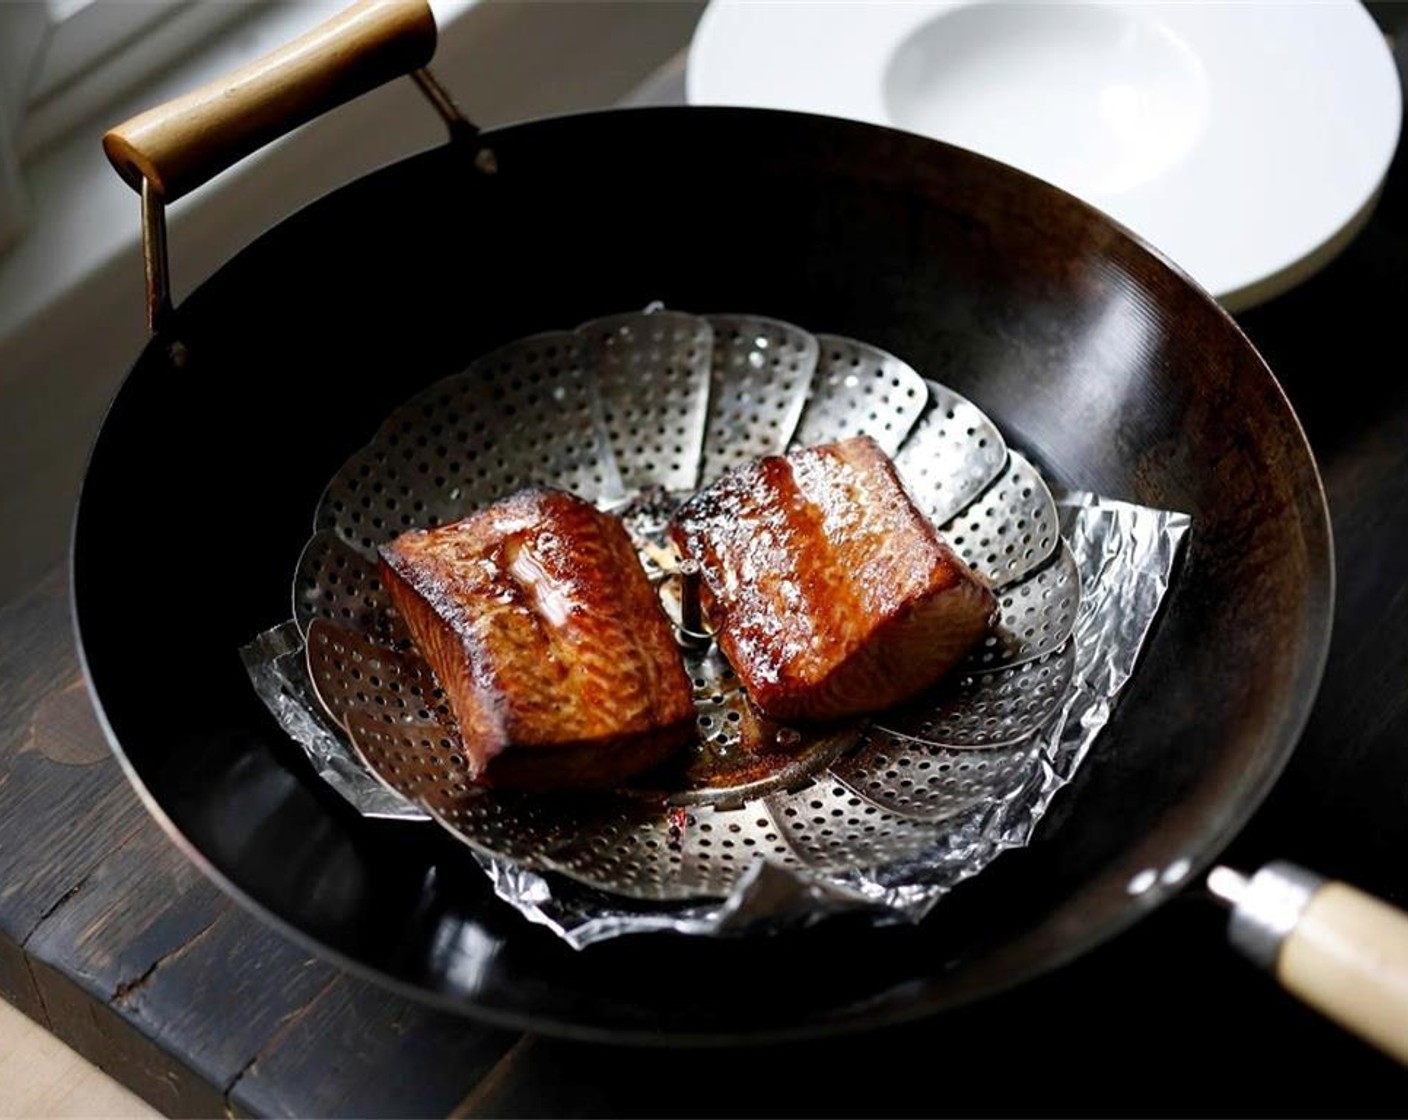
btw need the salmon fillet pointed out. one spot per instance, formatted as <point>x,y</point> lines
<point>828,591</point>
<point>545,634</point>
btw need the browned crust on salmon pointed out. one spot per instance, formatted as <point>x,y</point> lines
<point>830,592</point>
<point>540,624</point>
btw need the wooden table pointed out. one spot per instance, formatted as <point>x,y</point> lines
<point>115,942</point>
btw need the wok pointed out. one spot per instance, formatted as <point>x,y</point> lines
<point>1093,353</point>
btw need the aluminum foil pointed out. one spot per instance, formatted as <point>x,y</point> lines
<point>278,670</point>
<point>1126,556</point>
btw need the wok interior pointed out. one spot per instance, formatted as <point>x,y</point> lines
<point>1093,357</point>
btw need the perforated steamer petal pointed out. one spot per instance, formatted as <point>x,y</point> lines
<point>634,412</point>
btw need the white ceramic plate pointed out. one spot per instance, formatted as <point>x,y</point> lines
<point>1245,138</point>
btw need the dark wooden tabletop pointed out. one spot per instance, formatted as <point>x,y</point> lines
<point>112,939</point>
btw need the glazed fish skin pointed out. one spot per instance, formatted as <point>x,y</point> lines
<point>544,632</point>
<point>830,593</point>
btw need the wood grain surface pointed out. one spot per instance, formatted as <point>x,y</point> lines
<point>113,940</point>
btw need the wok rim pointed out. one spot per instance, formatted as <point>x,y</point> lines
<point>1209,845</point>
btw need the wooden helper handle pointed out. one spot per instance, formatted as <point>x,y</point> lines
<point>180,145</point>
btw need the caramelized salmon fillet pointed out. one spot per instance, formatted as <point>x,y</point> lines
<point>829,592</point>
<point>545,634</point>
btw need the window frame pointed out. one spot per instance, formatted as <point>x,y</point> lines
<point>94,51</point>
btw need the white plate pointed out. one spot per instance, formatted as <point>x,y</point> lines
<point>1245,139</point>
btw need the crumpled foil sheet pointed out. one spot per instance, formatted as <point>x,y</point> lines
<point>1126,555</point>
<point>277,667</point>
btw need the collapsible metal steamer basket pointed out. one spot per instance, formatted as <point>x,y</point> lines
<point>635,412</point>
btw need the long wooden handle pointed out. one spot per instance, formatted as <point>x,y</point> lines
<point>1342,951</point>
<point>1348,958</point>
<point>180,145</point>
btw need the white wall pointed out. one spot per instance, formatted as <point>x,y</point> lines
<point>71,293</point>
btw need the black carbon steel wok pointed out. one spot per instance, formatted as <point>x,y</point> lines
<point>1095,355</point>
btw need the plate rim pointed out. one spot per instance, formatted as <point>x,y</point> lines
<point>1297,256</point>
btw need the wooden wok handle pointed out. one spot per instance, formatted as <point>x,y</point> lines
<point>1342,951</point>
<point>180,145</point>
<point>1348,958</point>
